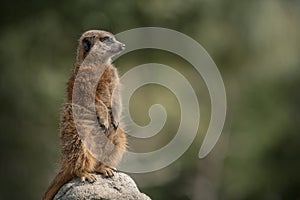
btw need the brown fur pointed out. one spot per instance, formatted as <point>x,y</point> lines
<point>76,160</point>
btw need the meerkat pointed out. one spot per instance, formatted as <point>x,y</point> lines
<point>94,52</point>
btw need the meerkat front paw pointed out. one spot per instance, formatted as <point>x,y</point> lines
<point>104,125</point>
<point>114,121</point>
<point>102,113</point>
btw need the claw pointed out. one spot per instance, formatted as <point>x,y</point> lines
<point>115,125</point>
<point>110,173</point>
<point>106,129</point>
<point>88,177</point>
<point>114,169</point>
<point>107,172</point>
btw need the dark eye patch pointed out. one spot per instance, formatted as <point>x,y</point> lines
<point>87,44</point>
<point>105,39</point>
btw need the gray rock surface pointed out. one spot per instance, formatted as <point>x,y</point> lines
<point>120,186</point>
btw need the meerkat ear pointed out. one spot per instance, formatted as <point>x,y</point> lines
<point>87,44</point>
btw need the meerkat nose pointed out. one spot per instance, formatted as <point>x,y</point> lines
<point>122,46</point>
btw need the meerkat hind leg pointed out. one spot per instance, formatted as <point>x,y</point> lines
<point>105,170</point>
<point>86,176</point>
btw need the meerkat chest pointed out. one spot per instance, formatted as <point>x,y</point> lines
<point>108,81</point>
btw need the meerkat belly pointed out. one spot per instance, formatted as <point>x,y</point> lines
<point>74,151</point>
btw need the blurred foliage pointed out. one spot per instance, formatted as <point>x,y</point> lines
<point>255,45</point>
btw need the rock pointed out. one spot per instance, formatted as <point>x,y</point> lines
<point>120,186</point>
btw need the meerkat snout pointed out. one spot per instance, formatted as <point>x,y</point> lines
<point>123,46</point>
<point>116,47</point>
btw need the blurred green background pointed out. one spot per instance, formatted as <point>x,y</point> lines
<point>255,45</point>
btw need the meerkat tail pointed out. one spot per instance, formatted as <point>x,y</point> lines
<point>60,179</point>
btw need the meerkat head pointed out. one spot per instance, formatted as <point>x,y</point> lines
<point>103,42</point>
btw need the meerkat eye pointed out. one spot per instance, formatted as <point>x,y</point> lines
<point>105,39</point>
